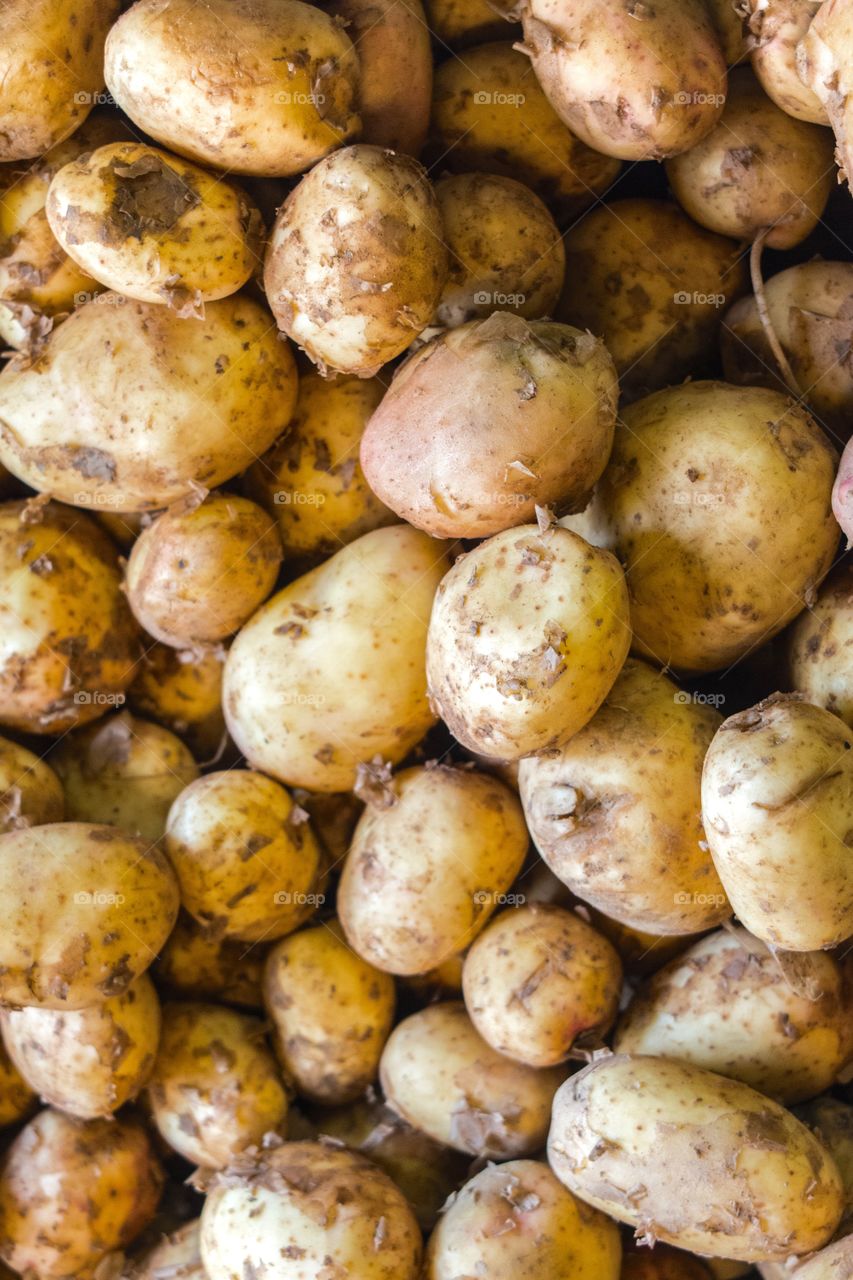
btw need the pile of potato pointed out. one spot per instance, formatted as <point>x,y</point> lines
<point>426,640</point>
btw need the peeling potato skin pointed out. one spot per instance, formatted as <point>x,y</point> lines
<point>823,64</point>
<point>87,1062</point>
<point>423,876</point>
<point>17,1099</point>
<point>30,792</point>
<point>835,1262</point>
<point>490,420</point>
<point>192,965</point>
<point>515,1221</point>
<point>72,1191</point>
<point>819,647</point>
<point>69,643</point>
<point>442,1078</point>
<point>638,81</point>
<point>777,27</point>
<point>356,260</point>
<point>777,801</point>
<point>742,1179</point>
<point>62,953</point>
<point>182,690</point>
<point>317,1207</point>
<point>250,104</point>
<point>78,422</point>
<point>176,1257</point>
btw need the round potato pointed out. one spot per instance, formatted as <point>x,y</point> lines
<point>428,866</point>
<point>182,690</point>
<point>176,1257</point>
<point>30,792</point>
<point>95,906</point>
<point>17,1099</point>
<point>266,87</point>
<point>490,420</point>
<point>528,632</point>
<point>740,1178</point>
<point>87,1062</point>
<point>193,965</point>
<point>356,261</point>
<point>72,1191</point>
<point>516,1221</point>
<point>777,27</point>
<point>83,425</point>
<point>819,646</point>
<point>330,672</point>
<point>823,64</point>
<point>777,802</point>
<point>441,1077</point>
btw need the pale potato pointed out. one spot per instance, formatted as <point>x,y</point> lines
<point>176,1257</point>
<point>819,644</point>
<point>182,690</point>
<point>30,792</point>
<point>194,965</point>
<point>777,27</point>
<point>823,64</point>
<point>835,1262</point>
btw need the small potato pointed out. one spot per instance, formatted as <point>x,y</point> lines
<point>155,227</point>
<point>835,1262</point>
<point>528,632</point>
<point>441,1077</point>
<point>87,1062</point>
<point>246,859</point>
<point>831,1122</point>
<point>72,1191</point>
<point>819,646</point>
<point>662,1263</point>
<point>428,865</point>
<point>124,772</point>
<point>192,965</point>
<point>823,65</point>
<point>330,672</point>
<point>777,27</point>
<point>539,982</point>
<point>490,420</point>
<point>777,802</point>
<point>320,1208</point>
<point>759,168</point>
<point>215,1089</point>
<point>30,792</point>
<point>176,1257</point>
<point>356,262</point>
<point>457,24</point>
<point>249,86</point>
<point>94,907</point>
<point>331,1013</point>
<point>505,250</point>
<point>182,690</point>
<point>702,1162</point>
<point>642,953</point>
<point>515,1221</point>
<point>17,1099</point>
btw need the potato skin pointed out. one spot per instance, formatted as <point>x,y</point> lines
<point>777,800</point>
<point>823,65</point>
<point>356,262</point>
<point>17,1099</point>
<point>182,690</point>
<point>832,1263</point>
<point>30,792</point>
<point>272,99</point>
<point>177,1255</point>
<point>777,27</point>
<point>424,874</point>
<point>725,1144</point>
<point>515,1221</point>
<point>490,420</point>
<point>819,643</point>
<point>216,394</point>
<point>192,965</point>
<point>458,24</point>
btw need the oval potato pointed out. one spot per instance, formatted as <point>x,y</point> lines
<point>30,792</point>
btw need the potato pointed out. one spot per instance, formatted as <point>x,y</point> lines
<point>528,632</point>
<point>176,1257</point>
<point>819,643</point>
<point>428,866</point>
<point>17,1099</point>
<point>726,1004</point>
<point>842,493</point>
<point>51,70</point>
<point>215,1089</point>
<point>94,907</point>
<point>87,1062</point>
<point>823,64</point>
<point>72,1191</point>
<point>356,262</point>
<point>831,1263</point>
<point>652,284</point>
<point>30,792</point>
<point>740,1178</point>
<point>193,965</point>
<point>639,82</point>
<point>124,772</point>
<point>246,859</point>
<point>777,27</point>
<point>516,1222</point>
<point>642,953</point>
<point>505,251</point>
<point>528,423</point>
<point>716,500</point>
<point>832,1124</point>
<point>182,690</point>
<point>541,982</point>
<point>777,801</point>
<point>758,169</point>
<point>69,643</point>
<point>441,1077</point>
<point>457,24</point>
<point>155,227</point>
<point>83,425</point>
<point>662,1263</point>
<point>330,672</point>
<point>489,114</point>
<point>266,86</point>
<point>320,1209</point>
<point>730,21</point>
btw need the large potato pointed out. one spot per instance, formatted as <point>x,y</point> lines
<point>777,27</point>
<point>693,1159</point>
<point>95,906</point>
<point>823,64</point>
<point>819,647</point>
<point>515,1221</point>
<point>490,420</point>
<point>182,690</point>
<point>330,672</point>
<point>193,965</point>
<point>528,632</point>
<point>30,792</point>
<point>777,800</point>
<point>86,425</point>
<point>428,866</point>
<point>615,812</point>
<point>249,86</point>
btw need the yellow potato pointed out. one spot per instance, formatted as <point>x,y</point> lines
<point>456,24</point>
<point>17,1098</point>
<point>193,965</point>
<point>823,65</point>
<point>30,792</point>
<point>831,1122</point>
<point>182,690</point>
<point>777,27</point>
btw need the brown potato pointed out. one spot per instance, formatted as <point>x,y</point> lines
<point>182,690</point>
<point>819,644</point>
<point>777,27</point>
<point>30,792</point>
